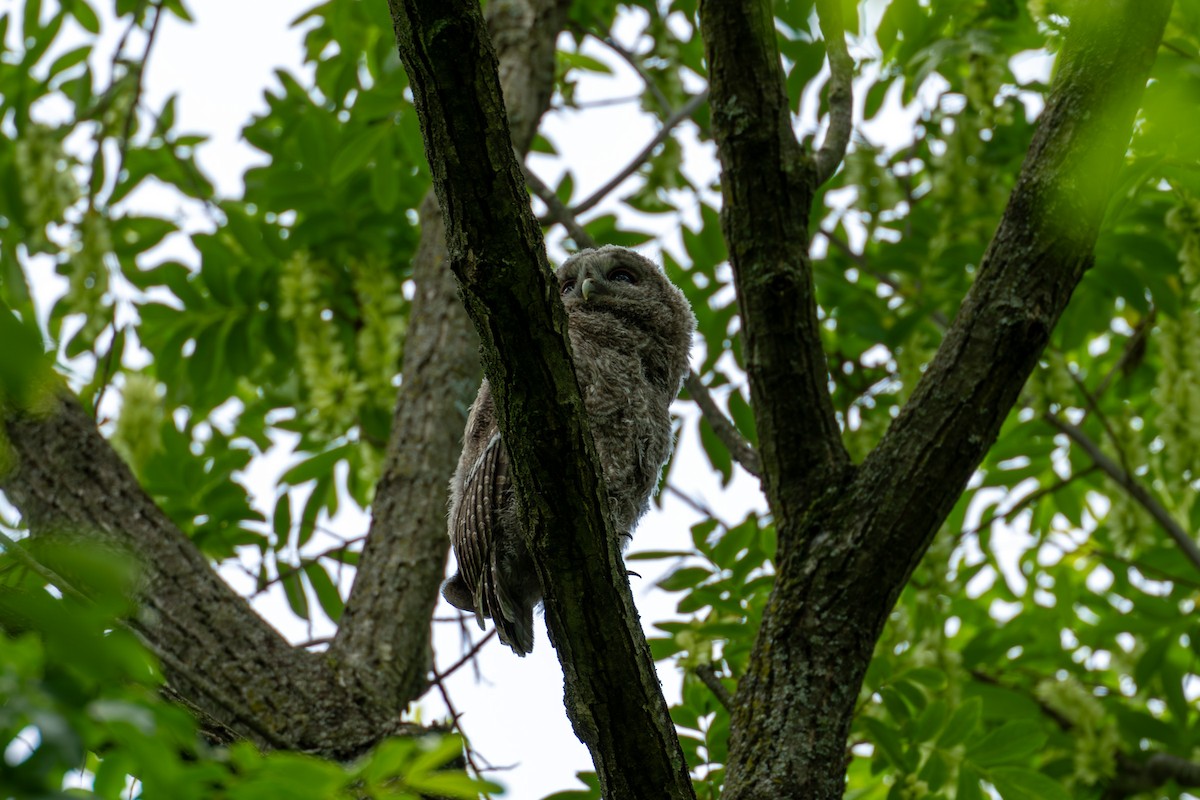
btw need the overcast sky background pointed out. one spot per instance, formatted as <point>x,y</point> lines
<point>219,67</point>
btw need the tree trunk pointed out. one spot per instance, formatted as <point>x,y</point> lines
<point>850,539</point>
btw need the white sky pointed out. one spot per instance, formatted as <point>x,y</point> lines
<point>220,67</point>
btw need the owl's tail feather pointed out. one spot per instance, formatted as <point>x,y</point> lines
<point>517,633</point>
<point>513,618</point>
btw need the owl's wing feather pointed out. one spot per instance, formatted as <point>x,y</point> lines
<point>475,522</point>
<point>476,534</point>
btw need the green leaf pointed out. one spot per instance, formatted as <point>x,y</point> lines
<point>327,593</point>
<point>889,740</point>
<point>929,723</point>
<point>968,784</point>
<point>962,724</point>
<point>69,59</point>
<point>318,466</point>
<point>684,578</point>
<point>1017,783</point>
<point>293,589</point>
<point>281,520</point>
<point>1011,741</point>
<point>83,13</point>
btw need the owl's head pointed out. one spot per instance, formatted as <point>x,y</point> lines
<point>628,289</point>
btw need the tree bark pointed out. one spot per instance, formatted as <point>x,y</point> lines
<point>767,186</point>
<point>496,251</point>
<point>844,559</point>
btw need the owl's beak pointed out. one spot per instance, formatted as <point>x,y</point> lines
<point>587,287</point>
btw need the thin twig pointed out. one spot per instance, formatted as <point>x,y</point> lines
<point>126,132</point>
<point>672,122</point>
<point>1030,499</point>
<point>1092,405</point>
<point>1134,348</point>
<point>695,505</point>
<point>468,751</point>
<point>707,674</point>
<point>841,92</point>
<point>314,642</point>
<point>1135,489</point>
<point>106,380</point>
<point>741,451</point>
<point>558,212</point>
<point>440,676</point>
<point>632,60</point>
<point>1153,573</point>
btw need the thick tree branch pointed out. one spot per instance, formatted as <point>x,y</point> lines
<point>1040,251</point>
<point>767,185</point>
<point>1134,487</point>
<point>796,699</point>
<point>841,90</point>
<point>496,252</point>
<point>1136,777</point>
<point>68,480</point>
<point>383,636</point>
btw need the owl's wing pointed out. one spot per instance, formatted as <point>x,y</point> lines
<point>476,533</point>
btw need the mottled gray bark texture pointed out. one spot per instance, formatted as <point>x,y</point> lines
<point>849,537</point>
<point>221,660</point>
<point>496,251</point>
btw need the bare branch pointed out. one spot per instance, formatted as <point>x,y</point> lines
<point>876,521</point>
<point>558,212</point>
<point>643,156</point>
<point>1131,485</point>
<point>767,188</point>
<point>632,60</point>
<point>841,91</point>
<point>707,674</point>
<point>725,430</point>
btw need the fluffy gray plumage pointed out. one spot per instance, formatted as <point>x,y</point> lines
<point>631,331</point>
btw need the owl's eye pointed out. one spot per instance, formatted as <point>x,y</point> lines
<point>622,275</point>
<point>567,286</point>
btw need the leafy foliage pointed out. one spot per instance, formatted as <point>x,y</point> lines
<point>1050,635</point>
<point>82,707</point>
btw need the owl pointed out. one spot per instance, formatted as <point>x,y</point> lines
<point>631,331</point>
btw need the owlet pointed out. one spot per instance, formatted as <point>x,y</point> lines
<point>631,331</point>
